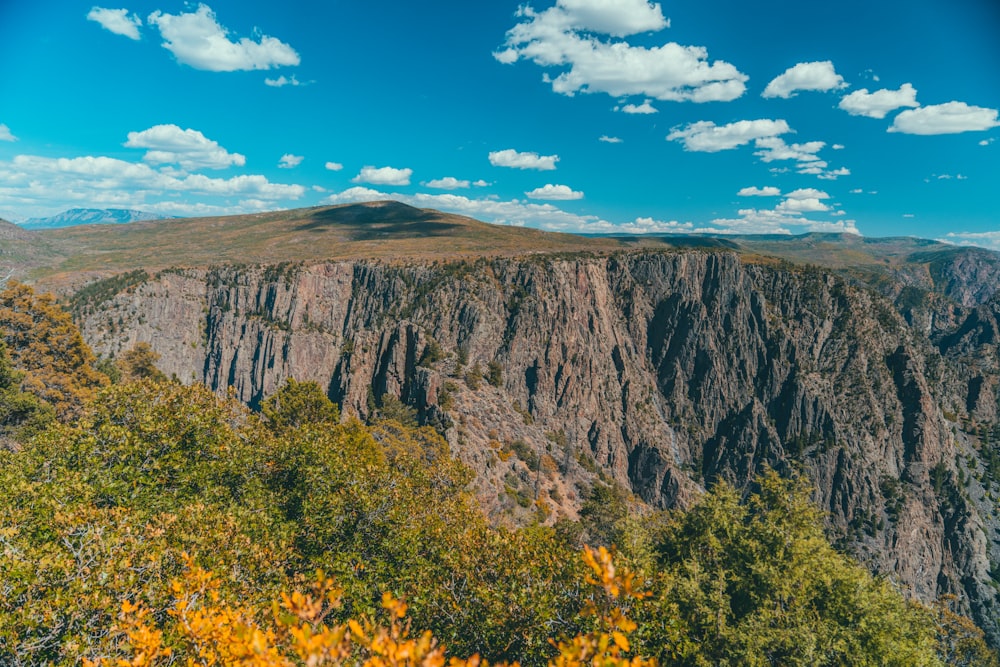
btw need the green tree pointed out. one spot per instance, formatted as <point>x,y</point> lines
<point>298,403</point>
<point>757,583</point>
<point>139,363</point>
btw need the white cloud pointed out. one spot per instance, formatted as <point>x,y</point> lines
<point>984,142</point>
<point>706,136</point>
<point>775,221</point>
<point>802,205</point>
<point>515,160</point>
<point>334,166</point>
<point>947,118</point>
<point>805,76</point>
<point>834,174</point>
<point>356,194</point>
<point>282,81</point>
<point>768,191</point>
<point>644,108</point>
<point>619,18</point>
<point>989,240</point>
<point>383,176</point>
<point>197,39</point>
<point>554,193</point>
<point>34,182</point>
<point>857,191</point>
<point>837,147</point>
<point>447,183</point>
<point>481,183</point>
<point>169,144</point>
<point>775,148</point>
<point>610,140</point>
<point>117,21</point>
<point>879,103</point>
<point>566,36</point>
<point>5,133</point>
<point>289,161</point>
<point>772,149</point>
<point>807,193</point>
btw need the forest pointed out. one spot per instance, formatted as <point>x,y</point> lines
<point>148,522</point>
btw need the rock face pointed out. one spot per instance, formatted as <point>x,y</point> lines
<point>664,371</point>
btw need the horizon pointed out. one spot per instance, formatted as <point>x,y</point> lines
<point>583,116</point>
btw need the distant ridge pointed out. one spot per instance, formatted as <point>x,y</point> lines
<point>89,216</point>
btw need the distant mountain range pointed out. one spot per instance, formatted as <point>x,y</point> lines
<point>89,216</point>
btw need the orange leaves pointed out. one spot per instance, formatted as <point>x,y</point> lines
<point>212,633</point>
<point>608,645</point>
<point>614,585</point>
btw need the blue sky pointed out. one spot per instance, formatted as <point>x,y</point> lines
<point>578,115</point>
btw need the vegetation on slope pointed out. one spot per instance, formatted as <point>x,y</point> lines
<point>158,523</point>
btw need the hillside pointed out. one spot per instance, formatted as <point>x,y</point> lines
<point>381,229</point>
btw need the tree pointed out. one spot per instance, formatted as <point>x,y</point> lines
<point>139,363</point>
<point>298,403</point>
<point>44,343</point>
<point>757,583</point>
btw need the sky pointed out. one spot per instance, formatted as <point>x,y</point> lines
<point>873,117</point>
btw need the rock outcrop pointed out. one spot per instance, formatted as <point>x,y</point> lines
<point>664,371</point>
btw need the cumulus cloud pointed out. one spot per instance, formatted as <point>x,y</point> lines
<point>289,161</point>
<point>567,37</point>
<point>780,221</point>
<point>383,176</point>
<point>833,174</point>
<point>552,192</point>
<point>5,133</point>
<point>619,18</point>
<point>772,149</point>
<point>197,39</point>
<point>117,21</point>
<point>447,183</point>
<point>35,181</point>
<point>802,205</point>
<point>334,166</point>
<point>984,142</point>
<point>516,160</point>
<point>705,136</point>
<point>879,103</point>
<point>481,183</point>
<point>767,191</point>
<point>169,144</point>
<point>837,147</point>
<point>819,76</point>
<point>610,140</point>
<point>948,118</point>
<point>989,240</point>
<point>283,81</point>
<point>775,148</point>
<point>644,108</point>
<point>857,191</point>
<point>807,193</point>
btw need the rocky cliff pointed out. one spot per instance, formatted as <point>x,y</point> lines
<point>664,371</point>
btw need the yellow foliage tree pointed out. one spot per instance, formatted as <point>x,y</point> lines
<point>44,343</point>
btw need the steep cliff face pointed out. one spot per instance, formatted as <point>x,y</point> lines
<point>665,371</point>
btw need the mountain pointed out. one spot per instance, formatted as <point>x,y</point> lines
<point>89,216</point>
